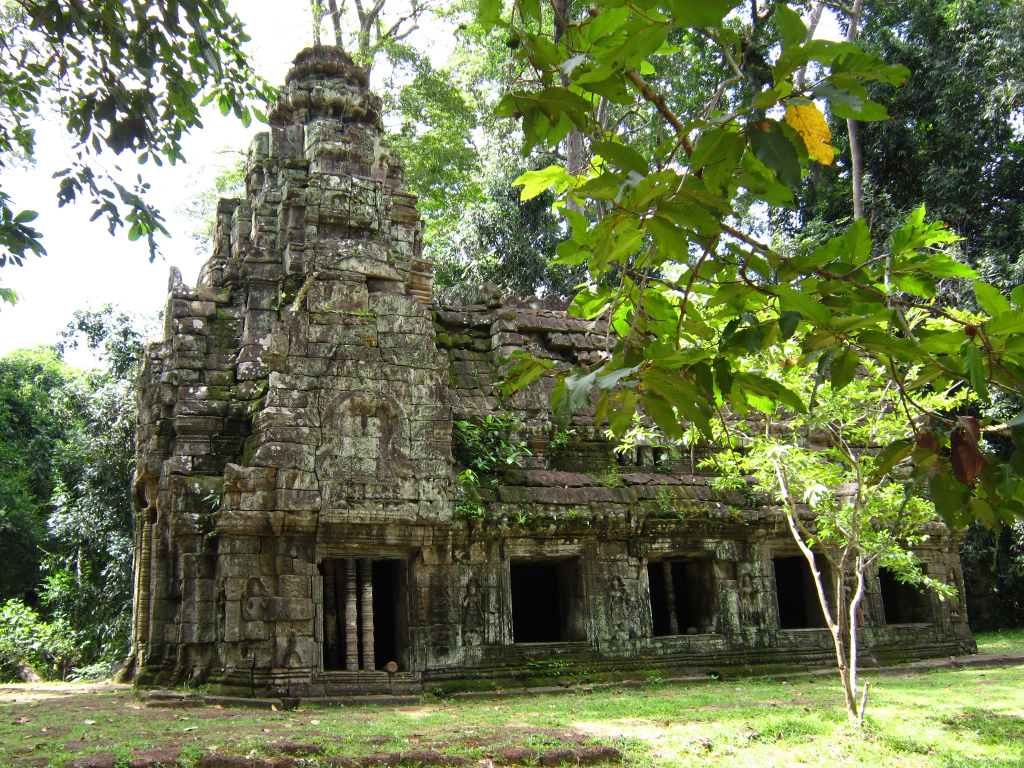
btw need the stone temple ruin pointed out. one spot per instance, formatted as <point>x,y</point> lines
<point>302,529</point>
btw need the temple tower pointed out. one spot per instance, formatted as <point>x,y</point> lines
<point>294,425</point>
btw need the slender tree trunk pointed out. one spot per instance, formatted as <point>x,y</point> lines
<point>856,713</point>
<point>847,663</point>
<point>336,20</point>
<point>812,26</point>
<point>856,154</point>
<point>318,14</point>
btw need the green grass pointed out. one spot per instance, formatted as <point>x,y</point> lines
<point>945,719</point>
<point>1001,641</point>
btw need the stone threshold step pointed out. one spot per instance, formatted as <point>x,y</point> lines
<point>175,700</point>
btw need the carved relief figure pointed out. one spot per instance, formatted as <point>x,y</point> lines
<point>618,611</point>
<point>365,441</point>
<point>748,610</point>
<point>955,579</point>
<point>473,618</point>
<point>255,606</point>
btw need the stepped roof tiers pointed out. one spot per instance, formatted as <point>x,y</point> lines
<point>302,529</point>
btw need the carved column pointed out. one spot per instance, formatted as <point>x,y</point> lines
<point>670,597</point>
<point>330,616</point>
<point>351,617</point>
<point>366,597</point>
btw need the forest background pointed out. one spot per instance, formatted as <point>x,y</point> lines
<point>952,143</point>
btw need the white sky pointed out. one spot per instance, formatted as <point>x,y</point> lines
<point>84,265</point>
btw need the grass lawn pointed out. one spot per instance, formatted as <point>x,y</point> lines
<point>965,718</point>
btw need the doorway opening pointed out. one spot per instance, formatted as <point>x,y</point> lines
<point>902,603</point>
<point>797,595</point>
<point>546,601</point>
<point>360,614</point>
<point>682,597</point>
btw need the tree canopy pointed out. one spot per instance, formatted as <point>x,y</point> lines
<point>66,517</point>
<point>679,259</point>
<point>121,77</point>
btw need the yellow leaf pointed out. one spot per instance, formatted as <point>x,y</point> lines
<point>807,120</point>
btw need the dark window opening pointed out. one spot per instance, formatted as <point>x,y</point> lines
<point>799,607</point>
<point>546,601</point>
<point>682,597</point>
<point>902,603</point>
<point>360,614</point>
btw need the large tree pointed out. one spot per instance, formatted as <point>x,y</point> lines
<point>67,458</point>
<point>953,140</point>
<point>695,286</point>
<point>33,384</point>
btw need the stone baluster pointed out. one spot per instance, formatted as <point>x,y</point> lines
<point>670,597</point>
<point>351,617</point>
<point>366,596</point>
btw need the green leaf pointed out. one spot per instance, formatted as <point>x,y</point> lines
<point>1017,297</point>
<point>857,242</point>
<point>791,27</point>
<point>702,13</point>
<point>990,298</point>
<point>867,66</point>
<point>983,512</point>
<point>620,420</point>
<point>639,45</point>
<point>717,154</point>
<point>570,253</point>
<point>611,380</point>
<point>622,157</point>
<point>948,494</point>
<point>889,457</point>
<point>670,239</point>
<point>768,99</point>
<point>9,295</point>
<point>788,321</point>
<point>812,310</point>
<point>24,217</point>
<point>661,412</point>
<point>1011,321</point>
<point>488,12</point>
<point>525,371</point>
<point>530,8</point>
<point>973,368</point>
<point>772,147</point>
<point>603,187</point>
<point>868,111</point>
<point>681,394</point>
<point>770,388</point>
<point>843,368</point>
<point>537,182</point>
